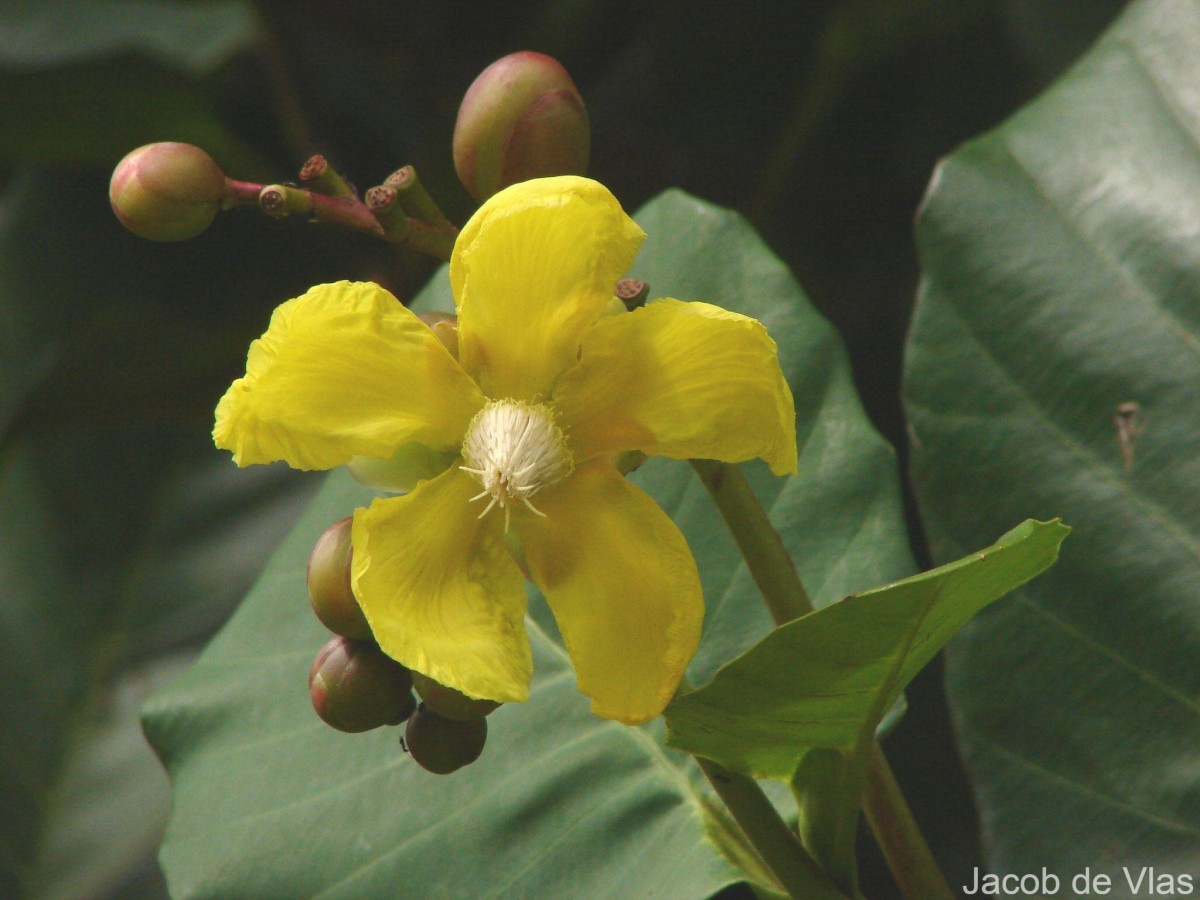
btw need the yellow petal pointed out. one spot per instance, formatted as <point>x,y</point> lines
<point>343,371</point>
<point>533,268</point>
<point>681,380</point>
<point>440,591</point>
<point>623,587</point>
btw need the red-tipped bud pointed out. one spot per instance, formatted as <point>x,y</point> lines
<point>356,687</point>
<point>522,118</point>
<point>449,703</point>
<point>167,191</point>
<point>329,583</point>
<point>440,745</point>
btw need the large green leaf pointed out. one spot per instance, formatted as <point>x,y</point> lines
<point>270,802</point>
<point>1060,284</point>
<point>827,678</point>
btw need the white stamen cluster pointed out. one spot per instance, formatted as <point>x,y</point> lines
<point>515,449</point>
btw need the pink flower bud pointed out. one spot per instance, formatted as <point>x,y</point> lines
<point>355,687</point>
<point>522,118</point>
<point>167,191</point>
<point>440,745</point>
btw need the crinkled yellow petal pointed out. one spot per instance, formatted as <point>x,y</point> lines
<point>623,587</point>
<point>681,380</point>
<point>344,371</point>
<point>532,269</point>
<point>440,590</point>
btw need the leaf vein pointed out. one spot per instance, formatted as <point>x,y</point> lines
<point>1077,448</point>
<point>1083,789</point>
<point>1119,659</point>
<point>1092,248</point>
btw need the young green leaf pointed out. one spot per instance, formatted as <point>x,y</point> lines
<point>826,679</point>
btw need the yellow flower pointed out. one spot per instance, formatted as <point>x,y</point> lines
<point>546,393</point>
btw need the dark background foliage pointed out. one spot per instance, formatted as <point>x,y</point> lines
<point>121,547</point>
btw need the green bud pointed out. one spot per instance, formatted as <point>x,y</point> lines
<point>167,191</point>
<point>440,745</point>
<point>329,584</point>
<point>522,118</point>
<point>356,687</point>
<point>449,703</point>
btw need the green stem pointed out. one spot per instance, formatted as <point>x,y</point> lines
<point>416,199</point>
<point>898,835</point>
<point>432,240</point>
<point>771,566</point>
<point>769,563</point>
<point>318,175</point>
<point>777,845</point>
<point>399,227</point>
<point>381,200</point>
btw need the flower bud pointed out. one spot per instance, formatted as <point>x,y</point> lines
<point>449,703</point>
<point>440,745</point>
<point>522,118</point>
<point>356,687</point>
<point>329,584</point>
<point>167,191</point>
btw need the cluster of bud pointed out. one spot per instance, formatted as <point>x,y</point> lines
<point>521,118</point>
<point>356,687</point>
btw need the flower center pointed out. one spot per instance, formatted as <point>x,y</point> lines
<point>515,449</point>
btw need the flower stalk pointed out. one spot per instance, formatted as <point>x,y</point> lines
<point>769,563</point>
<point>899,837</point>
<point>411,216</point>
<point>240,193</point>
<point>415,199</point>
<point>777,845</point>
<point>323,178</point>
<point>386,203</point>
<point>281,200</point>
<point>887,813</point>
